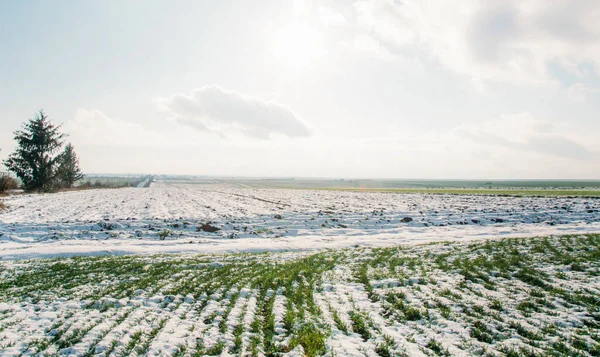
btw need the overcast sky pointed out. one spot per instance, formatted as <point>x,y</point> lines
<point>368,88</point>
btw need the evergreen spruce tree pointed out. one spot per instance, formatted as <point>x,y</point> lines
<point>68,169</point>
<point>35,161</point>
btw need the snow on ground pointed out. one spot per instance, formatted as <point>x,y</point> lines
<point>474,296</point>
<point>168,218</point>
<point>507,297</point>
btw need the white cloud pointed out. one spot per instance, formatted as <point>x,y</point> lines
<point>578,92</point>
<point>522,132</point>
<point>511,146</point>
<point>512,41</point>
<point>93,127</point>
<point>367,44</point>
<point>330,17</point>
<point>214,109</point>
<point>391,22</point>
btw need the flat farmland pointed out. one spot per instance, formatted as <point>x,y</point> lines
<point>279,272</point>
<point>223,218</point>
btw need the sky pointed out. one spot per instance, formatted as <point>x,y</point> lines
<point>340,89</point>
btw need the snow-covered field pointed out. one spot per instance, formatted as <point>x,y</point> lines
<point>374,297</point>
<point>508,297</point>
<point>170,218</point>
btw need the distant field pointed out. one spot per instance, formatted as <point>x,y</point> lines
<point>415,184</point>
<point>587,188</point>
<point>480,191</point>
<point>116,181</point>
<point>581,188</point>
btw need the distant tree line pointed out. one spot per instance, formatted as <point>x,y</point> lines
<point>39,161</point>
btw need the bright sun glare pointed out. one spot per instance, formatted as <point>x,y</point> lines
<point>298,44</point>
